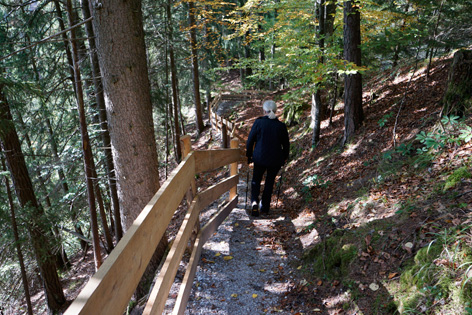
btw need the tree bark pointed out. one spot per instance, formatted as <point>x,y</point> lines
<point>174,83</point>
<point>102,114</point>
<point>14,226</point>
<point>353,113</point>
<point>121,50</point>
<point>457,98</point>
<point>86,146</point>
<point>316,104</point>
<point>195,73</point>
<point>11,147</point>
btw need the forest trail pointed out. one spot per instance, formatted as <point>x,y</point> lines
<point>244,268</point>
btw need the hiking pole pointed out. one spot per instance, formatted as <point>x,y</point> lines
<point>280,184</point>
<point>247,184</point>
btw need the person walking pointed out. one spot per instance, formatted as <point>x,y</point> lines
<point>268,146</point>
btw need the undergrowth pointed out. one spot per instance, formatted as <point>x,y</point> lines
<point>439,277</point>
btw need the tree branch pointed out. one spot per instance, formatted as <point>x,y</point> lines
<point>45,39</point>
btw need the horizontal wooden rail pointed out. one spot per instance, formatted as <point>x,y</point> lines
<point>110,289</point>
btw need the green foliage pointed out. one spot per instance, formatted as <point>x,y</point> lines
<point>455,132</point>
<point>316,181</point>
<point>294,110</point>
<point>332,257</point>
<point>384,119</point>
<point>439,271</point>
<point>456,177</point>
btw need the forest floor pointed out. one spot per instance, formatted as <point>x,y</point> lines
<point>384,202</point>
<point>367,195</point>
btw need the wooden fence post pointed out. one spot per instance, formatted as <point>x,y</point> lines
<point>224,134</point>
<point>234,169</point>
<point>191,193</point>
<point>186,148</point>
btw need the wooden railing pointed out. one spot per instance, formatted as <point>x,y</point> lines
<point>225,126</point>
<point>110,289</point>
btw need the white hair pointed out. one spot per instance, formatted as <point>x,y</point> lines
<point>270,108</point>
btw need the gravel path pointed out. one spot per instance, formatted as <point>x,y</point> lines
<point>244,268</point>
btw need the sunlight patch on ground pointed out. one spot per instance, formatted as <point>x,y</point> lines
<point>220,247</point>
<point>277,287</point>
<point>336,301</point>
<point>351,149</point>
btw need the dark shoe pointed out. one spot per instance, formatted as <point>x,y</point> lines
<point>263,210</point>
<point>255,209</point>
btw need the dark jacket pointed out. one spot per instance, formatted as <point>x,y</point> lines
<point>268,142</point>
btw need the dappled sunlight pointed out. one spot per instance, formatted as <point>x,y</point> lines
<point>351,149</point>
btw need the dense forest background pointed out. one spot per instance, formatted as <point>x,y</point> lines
<point>83,116</point>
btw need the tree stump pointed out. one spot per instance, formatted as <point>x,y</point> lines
<point>457,99</point>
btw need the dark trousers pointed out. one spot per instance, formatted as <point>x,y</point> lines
<point>257,174</point>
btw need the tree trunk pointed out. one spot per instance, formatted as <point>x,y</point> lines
<point>316,104</point>
<point>14,226</point>
<point>174,84</point>
<point>196,75</point>
<point>86,149</point>
<point>102,114</point>
<point>11,147</point>
<point>63,182</point>
<point>61,255</point>
<point>353,113</point>
<point>457,99</point>
<point>121,50</point>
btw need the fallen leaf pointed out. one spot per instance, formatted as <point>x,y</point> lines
<point>262,270</point>
<point>254,295</point>
<point>234,295</point>
<point>299,267</point>
<point>228,257</point>
<point>217,254</point>
<point>374,286</point>
<point>368,238</point>
<point>408,247</point>
<point>236,224</point>
<point>319,283</point>
<point>392,275</point>
<point>335,283</point>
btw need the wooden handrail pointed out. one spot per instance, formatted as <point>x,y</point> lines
<point>110,289</point>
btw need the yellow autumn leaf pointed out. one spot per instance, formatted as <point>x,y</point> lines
<point>234,295</point>
<point>254,295</point>
<point>262,270</point>
<point>217,254</point>
<point>228,257</point>
<point>236,224</point>
<point>299,267</point>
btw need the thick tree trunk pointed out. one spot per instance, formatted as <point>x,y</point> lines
<point>121,50</point>
<point>195,73</point>
<point>11,147</point>
<point>457,99</point>
<point>353,113</point>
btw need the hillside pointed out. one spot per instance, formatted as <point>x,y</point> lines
<point>374,208</point>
